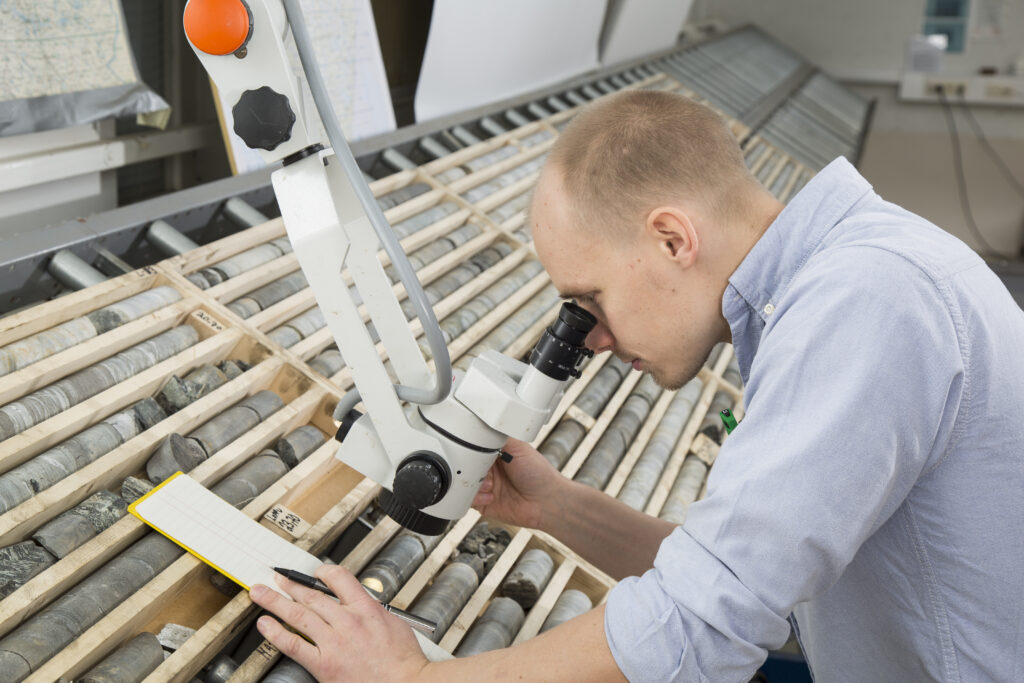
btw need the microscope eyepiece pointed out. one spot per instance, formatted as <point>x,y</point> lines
<point>573,324</point>
<point>560,349</point>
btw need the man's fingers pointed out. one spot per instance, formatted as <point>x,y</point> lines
<point>298,616</point>
<point>289,643</point>
<point>345,585</point>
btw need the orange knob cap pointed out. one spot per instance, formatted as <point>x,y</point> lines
<point>217,27</point>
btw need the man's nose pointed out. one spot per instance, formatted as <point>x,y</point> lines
<point>600,339</point>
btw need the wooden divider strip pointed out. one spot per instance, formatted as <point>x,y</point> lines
<point>35,319</point>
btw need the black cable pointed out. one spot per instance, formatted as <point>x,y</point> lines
<point>961,180</point>
<point>998,160</point>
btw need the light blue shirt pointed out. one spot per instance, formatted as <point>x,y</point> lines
<point>875,488</point>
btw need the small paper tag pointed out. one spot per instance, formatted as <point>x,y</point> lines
<point>287,520</point>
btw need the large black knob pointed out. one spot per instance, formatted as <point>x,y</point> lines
<point>420,481</point>
<point>263,118</point>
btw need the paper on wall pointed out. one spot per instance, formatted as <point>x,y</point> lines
<point>482,51</point>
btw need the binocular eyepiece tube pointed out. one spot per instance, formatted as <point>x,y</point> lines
<point>557,355</point>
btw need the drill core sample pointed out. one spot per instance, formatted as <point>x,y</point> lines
<point>445,597</point>
<point>494,629</point>
<point>569,604</point>
<point>131,662</point>
<point>528,577</point>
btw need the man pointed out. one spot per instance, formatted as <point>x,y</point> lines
<point>871,499</point>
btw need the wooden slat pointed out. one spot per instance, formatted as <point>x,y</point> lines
<point>32,320</point>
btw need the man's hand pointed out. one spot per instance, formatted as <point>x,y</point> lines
<point>355,639</point>
<point>520,492</point>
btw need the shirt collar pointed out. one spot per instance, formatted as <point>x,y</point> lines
<point>766,271</point>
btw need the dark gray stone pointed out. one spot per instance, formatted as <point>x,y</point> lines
<point>131,662</point>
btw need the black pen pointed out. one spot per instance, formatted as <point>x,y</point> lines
<point>308,581</point>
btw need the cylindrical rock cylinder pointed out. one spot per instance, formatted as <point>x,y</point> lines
<point>130,663</point>
<point>296,446</point>
<point>133,308</point>
<point>288,671</point>
<point>608,451</point>
<point>174,453</point>
<point>393,565</point>
<point>446,596</point>
<point>685,490</point>
<point>56,625</point>
<point>19,563</point>
<point>237,420</point>
<point>570,604</point>
<point>43,404</point>
<point>222,667</point>
<point>49,467</point>
<point>494,629</point>
<point>528,577</point>
<point>251,479</point>
<point>328,363</point>
<point>180,392</point>
<point>25,352</point>
<point>647,471</point>
<point>562,441</point>
<point>596,394</point>
<point>67,531</point>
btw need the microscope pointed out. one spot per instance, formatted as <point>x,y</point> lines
<point>429,438</point>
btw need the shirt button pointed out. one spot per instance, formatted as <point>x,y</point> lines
<point>769,309</point>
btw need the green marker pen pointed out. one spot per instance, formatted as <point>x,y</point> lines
<point>728,420</point>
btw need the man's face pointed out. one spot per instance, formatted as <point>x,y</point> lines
<point>650,311</point>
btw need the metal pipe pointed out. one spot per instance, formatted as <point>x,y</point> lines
<point>242,213</point>
<point>73,272</point>
<point>167,239</point>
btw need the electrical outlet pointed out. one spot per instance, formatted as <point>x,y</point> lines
<point>945,86</point>
<point>999,91</point>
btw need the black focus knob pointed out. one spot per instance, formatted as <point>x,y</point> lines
<point>420,482</point>
<point>263,118</point>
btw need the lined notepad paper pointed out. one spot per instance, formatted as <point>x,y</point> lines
<point>219,534</point>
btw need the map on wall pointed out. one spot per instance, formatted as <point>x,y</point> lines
<point>63,46</point>
<point>68,62</point>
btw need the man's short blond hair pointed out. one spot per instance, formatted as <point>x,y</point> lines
<point>633,151</point>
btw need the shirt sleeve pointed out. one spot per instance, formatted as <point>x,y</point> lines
<point>853,391</point>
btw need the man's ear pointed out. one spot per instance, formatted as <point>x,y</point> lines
<point>674,233</point>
